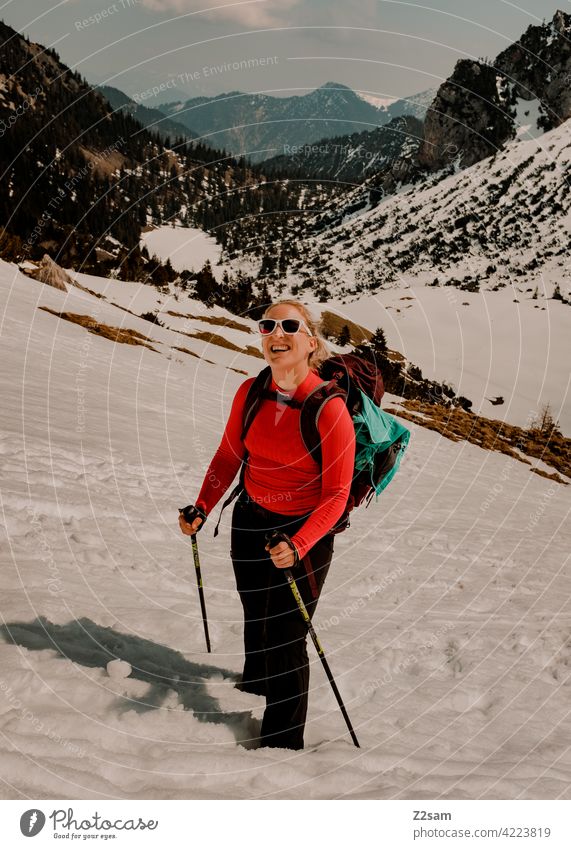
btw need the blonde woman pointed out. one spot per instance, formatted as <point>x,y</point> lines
<point>284,489</point>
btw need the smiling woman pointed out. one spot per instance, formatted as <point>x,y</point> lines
<point>278,470</point>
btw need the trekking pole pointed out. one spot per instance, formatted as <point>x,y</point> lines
<point>200,590</point>
<point>189,518</point>
<point>272,540</point>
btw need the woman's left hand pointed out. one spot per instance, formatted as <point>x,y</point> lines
<point>282,555</point>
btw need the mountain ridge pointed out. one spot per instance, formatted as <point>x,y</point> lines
<point>261,125</point>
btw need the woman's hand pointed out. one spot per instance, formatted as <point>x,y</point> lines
<point>195,516</point>
<point>283,556</point>
<point>187,528</point>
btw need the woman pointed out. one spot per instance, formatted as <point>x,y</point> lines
<point>286,490</point>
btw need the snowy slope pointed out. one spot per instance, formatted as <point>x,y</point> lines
<point>486,344</point>
<point>505,219</point>
<point>445,615</point>
<point>376,100</point>
<point>187,248</point>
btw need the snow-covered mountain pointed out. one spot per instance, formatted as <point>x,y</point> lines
<point>502,222</point>
<point>378,101</point>
<point>443,616</point>
<point>416,105</point>
<point>415,214</point>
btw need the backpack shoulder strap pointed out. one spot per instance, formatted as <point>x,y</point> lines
<point>311,410</point>
<point>254,398</point>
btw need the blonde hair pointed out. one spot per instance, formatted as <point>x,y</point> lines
<point>322,351</point>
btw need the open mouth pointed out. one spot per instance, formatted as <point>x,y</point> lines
<point>275,349</point>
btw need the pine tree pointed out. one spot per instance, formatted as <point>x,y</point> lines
<point>344,337</point>
<point>544,423</point>
<point>379,341</point>
<point>205,284</point>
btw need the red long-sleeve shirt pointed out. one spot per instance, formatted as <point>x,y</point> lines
<point>280,475</point>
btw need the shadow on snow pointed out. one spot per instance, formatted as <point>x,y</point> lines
<point>83,641</point>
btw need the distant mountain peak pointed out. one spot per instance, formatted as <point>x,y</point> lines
<point>335,85</point>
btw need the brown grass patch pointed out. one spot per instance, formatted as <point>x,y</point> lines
<point>103,166</point>
<point>192,354</point>
<point>456,424</point>
<point>186,351</point>
<point>119,307</point>
<point>395,356</point>
<point>225,322</point>
<point>214,339</point>
<point>332,325</point>
<point>125,336</point>
<point>90,291</point>
<point>553,477</point>
<point>219,320</point>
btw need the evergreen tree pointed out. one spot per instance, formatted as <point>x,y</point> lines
<point>205,284</point>
<point>344,337</point>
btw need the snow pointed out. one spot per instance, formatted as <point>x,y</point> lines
<point>118,669</point>
<point>375,100</point>
<point>445,616</point>
<point>484,344</point>
<point>186,247</point>
<point>527,114</point>
<point>518,197</point>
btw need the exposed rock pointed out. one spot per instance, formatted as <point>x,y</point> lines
<point>468,120</point>
<point>539,67</point>
<point>472,115</point>
<point>51,273</point>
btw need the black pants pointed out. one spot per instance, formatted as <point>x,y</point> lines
<point>276,663</point>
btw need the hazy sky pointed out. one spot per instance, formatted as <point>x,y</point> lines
<point>383,47</point>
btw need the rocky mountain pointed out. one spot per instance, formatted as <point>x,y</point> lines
<point>469,119</point>
<point>474,113</point>
<point>538,68</point>
<point>415,106</point>
<point>150,118</point>
<point>261,126</point>
<point>480,107</point>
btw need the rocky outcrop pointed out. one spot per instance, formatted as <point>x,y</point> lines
<point>472,115</point>
<point>468,120</point>
<point>539,68</point>
<point>50,273</point>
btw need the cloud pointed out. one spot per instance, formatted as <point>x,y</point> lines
<point>250,13</point>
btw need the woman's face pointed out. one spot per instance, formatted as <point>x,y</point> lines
<point>297,346</point>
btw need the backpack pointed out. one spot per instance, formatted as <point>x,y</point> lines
<point>380,438</point>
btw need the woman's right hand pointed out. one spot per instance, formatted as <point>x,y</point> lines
<point>192,527</point>
<point>189,529</point>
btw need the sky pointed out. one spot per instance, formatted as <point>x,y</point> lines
<point>165,50</point>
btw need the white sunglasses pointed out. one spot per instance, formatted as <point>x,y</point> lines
<point>290,326</point>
